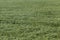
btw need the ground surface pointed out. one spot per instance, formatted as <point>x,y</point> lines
<point>29,19</point>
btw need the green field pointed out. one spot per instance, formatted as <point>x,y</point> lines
<point>29,19</point>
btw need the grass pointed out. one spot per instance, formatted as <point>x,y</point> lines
<point>29,19</point>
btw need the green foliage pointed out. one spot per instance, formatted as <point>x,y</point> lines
<point>29,20</point>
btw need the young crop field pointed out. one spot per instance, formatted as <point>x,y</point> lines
<point>29,19</point>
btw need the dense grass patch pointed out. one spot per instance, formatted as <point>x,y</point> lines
<point>29,19</point>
